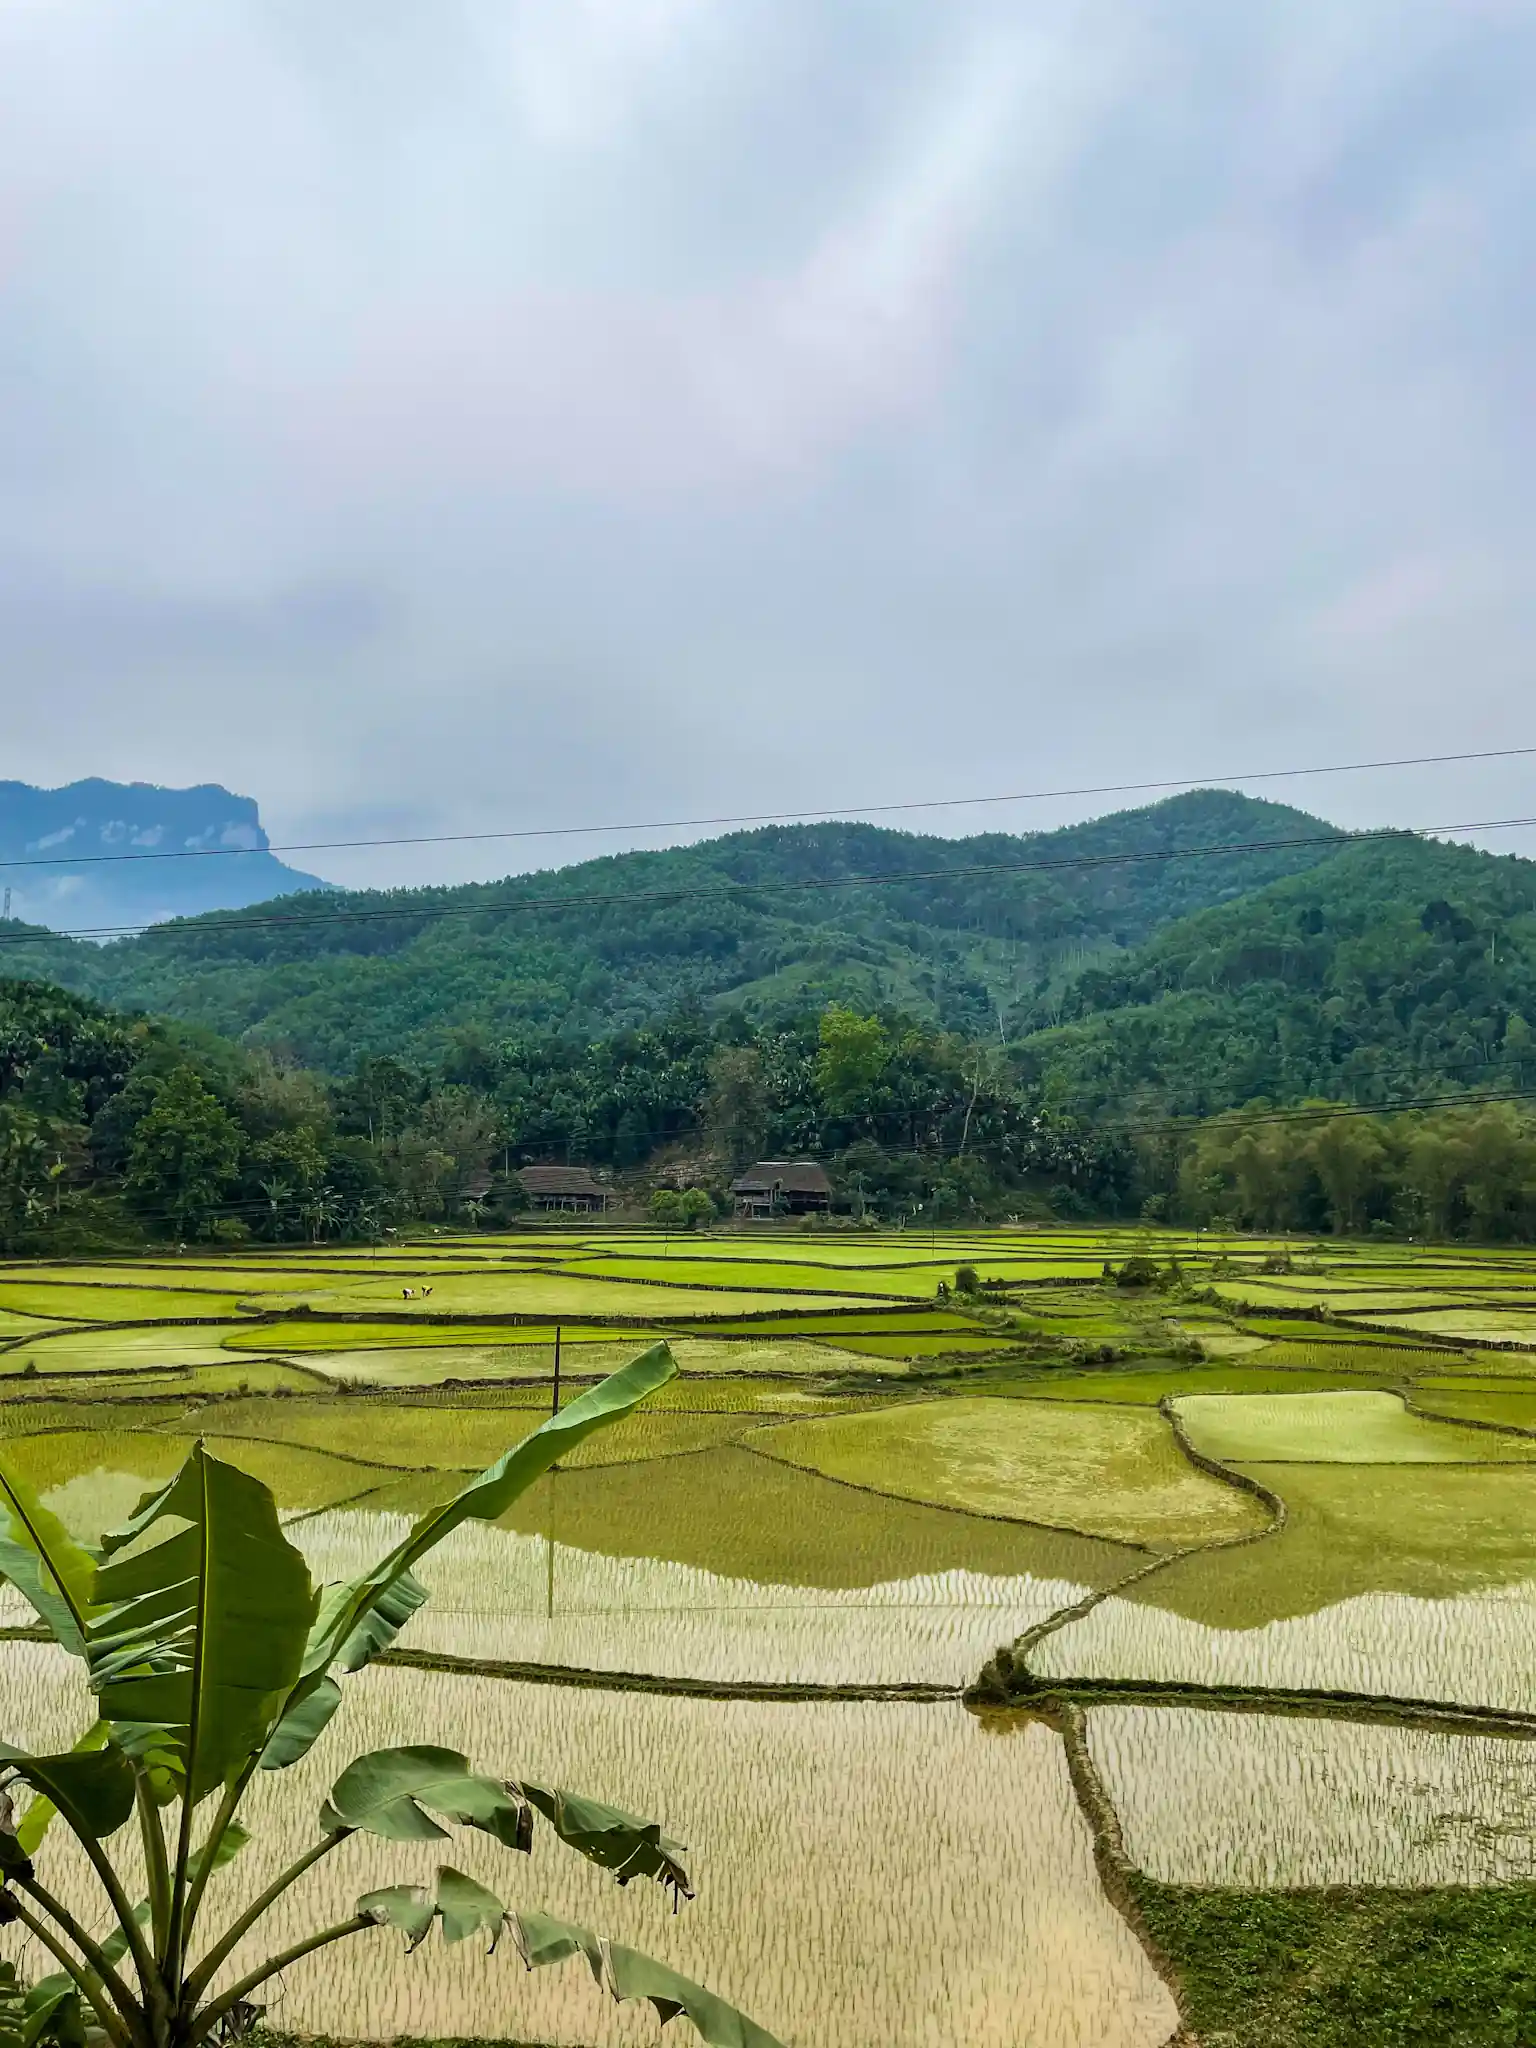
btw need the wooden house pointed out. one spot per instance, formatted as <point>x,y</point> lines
<point>571,1188</point>
<point>782,1187</point>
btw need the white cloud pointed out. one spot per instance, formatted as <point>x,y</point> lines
<point>616,405</point>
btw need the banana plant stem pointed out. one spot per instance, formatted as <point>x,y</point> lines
<point>95,1956</point>
<point>85,1978</point>
<point>225,1946</point>
<point>207,2020</point>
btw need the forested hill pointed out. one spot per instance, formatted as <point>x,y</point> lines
<point>969,933</point>
<point>1395,969</point>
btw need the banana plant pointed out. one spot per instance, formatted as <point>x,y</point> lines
<point>211,1657</point>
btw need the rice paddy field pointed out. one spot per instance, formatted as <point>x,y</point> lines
<point>1257,1543</point>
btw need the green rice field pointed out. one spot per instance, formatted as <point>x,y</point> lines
<point>1293,1479</point>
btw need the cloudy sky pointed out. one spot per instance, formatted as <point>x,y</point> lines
<point>446,415</point>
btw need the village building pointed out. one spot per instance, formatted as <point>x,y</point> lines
<point>570,1188</point>
<point>783,1187</point>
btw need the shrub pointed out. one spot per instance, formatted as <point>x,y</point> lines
<point>1138,1272</point>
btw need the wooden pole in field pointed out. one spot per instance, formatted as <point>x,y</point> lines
<point>555,1410</point>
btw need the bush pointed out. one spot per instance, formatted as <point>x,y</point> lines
<point>1138,1272</point>
<point>966,1281</point>
<point>686,1211</point>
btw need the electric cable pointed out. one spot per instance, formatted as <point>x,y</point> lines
<point>850,813</point>
<point>603,899</point>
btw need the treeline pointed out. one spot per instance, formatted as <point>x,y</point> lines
<point>112,1127</point>
<point>116,1129</point>
<point>1449,1173</point>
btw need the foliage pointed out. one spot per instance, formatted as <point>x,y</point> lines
<point>687,1210</point>
<point>185,1152</point>
<point>211,1656</point>
<point>1350,1969</point>
<point>1396,969</point>
<point>957,928</point>
<point>1442,1173</point>
<point>1387,970</point>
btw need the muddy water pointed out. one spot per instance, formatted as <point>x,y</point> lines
<point>874,1875</point>
<point>1249,1800</point>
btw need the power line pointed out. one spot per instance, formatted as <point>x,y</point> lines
<point>717,891</point>
<point>849,812</point>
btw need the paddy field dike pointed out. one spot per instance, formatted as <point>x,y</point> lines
<point>1025,1655</point>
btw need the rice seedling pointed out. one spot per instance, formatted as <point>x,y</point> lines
<point>113,1351</point>
<point>552,1294</point>
<point>1502,1326</point>
<point>880,1935</point>
<point>1343,1428</point>
<point>1108,1472</point>
<point>1514,1408</point>
<point>101,1303</point>
<point>1265,1802</point>
<point>1474,1649</point>
<point>925,1345</point>
<point>1143,1388</point>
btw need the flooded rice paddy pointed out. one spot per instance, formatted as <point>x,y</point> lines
<point>855,1487</point>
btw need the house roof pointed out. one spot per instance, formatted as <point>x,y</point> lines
<point>793,1176</point>
<point>559,1180</point>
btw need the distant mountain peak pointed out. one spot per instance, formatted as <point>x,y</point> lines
<point>68,856</point>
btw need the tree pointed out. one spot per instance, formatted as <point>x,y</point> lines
<point>739,1104</point>
<point>184,1153</point>
<point>688,1210</point>
<point>212,1657</point>
<point>1348,1155</point>
<point>853,1054</point>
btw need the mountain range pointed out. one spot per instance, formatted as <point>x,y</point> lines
<point>1187,956</point>
<point>970,933</point>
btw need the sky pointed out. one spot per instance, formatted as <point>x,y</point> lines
<point>434,416</point>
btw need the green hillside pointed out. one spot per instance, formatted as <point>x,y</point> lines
<point>1393,969</point>
<point>954,935</point>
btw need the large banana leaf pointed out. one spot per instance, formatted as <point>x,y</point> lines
<point>302,1725</point>
<point>342,1626</point>
<point>465,1906</point>
<point>41,1813</point>
<point>382,1622</point>
<point>93,1789</point>
<point>204,1633</point>
<point>387,1793</point>
<point>395,1792</point>
<point>616,1840</point>
<point>44,1563</point>
<point>625,1973</point>
<point>405,1906</point>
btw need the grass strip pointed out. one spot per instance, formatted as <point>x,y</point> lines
<point>1349,1968</point>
